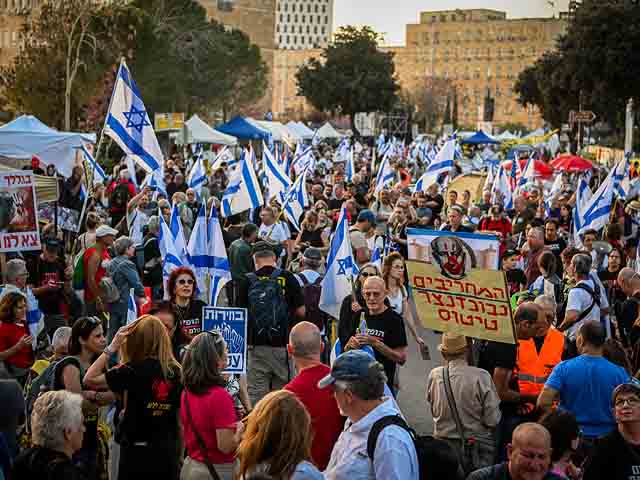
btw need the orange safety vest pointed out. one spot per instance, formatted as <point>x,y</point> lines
<point>533,368</point>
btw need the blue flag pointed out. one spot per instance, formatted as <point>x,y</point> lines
<point>219,268</point>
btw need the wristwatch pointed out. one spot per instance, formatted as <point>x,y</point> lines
<point>107,351</point>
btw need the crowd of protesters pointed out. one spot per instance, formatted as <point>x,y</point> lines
<point>96,396</point>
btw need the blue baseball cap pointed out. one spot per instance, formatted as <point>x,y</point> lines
<point>367,216</point>
<point>351,365</point>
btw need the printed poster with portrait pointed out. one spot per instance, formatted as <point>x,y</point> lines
<point>18,212</point>
<point>457,285</point>
<point>232,324</point>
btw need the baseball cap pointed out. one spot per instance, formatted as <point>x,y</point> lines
<point>51,242</point>
<point>510,253</point>
<point>367,216</point>
<point>350,365</point>
<point>628,387</point>
<point>262,247</point>
<point>105,230</point>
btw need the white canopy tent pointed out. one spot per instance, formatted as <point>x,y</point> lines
<point>279,132</point>
<point>197,131</point>
<point>299,131</point>
<point>506,135</point>
<point>328,132</point>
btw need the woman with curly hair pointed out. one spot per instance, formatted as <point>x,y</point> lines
<point>277,440</point>
<point>183,289</point>
<point>16,351</point>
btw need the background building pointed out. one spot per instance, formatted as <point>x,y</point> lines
<point>303,24</point>
<point>475,51</point>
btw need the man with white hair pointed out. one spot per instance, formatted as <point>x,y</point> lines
<point>57,426</point>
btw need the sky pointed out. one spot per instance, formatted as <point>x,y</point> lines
<point>391,16</point>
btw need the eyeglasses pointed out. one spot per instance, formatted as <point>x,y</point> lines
<point>372,294</point>
<point>631,401</point>
<point>185,281</point>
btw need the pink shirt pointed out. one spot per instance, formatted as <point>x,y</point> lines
<point>210,412</point>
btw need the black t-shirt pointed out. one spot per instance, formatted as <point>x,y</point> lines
<point>41,273</point>
<point>312,237</point>
<point>613,458</point>
<point>335,204</point>
<point>44,463</point>
<point>500,355</point>
<point>626,319</point>
<point>515,279</point>
<point>190,317</point>
<point>437,209</point>
<point>556,247</point>
<point>388,327</point>
<point>152,276</point>
<point>292,293</point>
<point>152,402</point>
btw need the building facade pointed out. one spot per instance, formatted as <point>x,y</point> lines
<point>475,51</point>
<point>303,24</point>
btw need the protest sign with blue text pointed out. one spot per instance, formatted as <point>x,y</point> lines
<point>232,324</point>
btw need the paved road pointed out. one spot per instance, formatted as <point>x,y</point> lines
<point>413,381</point>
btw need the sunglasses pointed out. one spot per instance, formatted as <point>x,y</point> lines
<point>185,281</point>
<point>367,274</point>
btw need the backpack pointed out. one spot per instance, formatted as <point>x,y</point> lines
<point>436,458</point>
<point>78,271</point>
<point>595,299</point>
<point>120,196</point>
<point>49,380</point>
<point>311,292</point>
<point>268,309</point>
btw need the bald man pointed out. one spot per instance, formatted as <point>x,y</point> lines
<point>629,282</point>
<point>529,456</point>
<point>305,346</point>
<point>385,330</point>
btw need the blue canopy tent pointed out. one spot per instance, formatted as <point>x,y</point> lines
<point>480,138</point>
<point>243,130</point>
<point>27,136</point>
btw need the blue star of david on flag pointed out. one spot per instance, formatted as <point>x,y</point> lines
<point>142,118</point>
<point>344,264</point>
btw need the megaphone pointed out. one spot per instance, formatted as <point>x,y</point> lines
<point>602,249</point>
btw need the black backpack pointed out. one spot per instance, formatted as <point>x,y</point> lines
<point>120,196</point>
<point>312,292</point>
<point>436,458</point>
<point>268,309</point>
<point>49,380</point>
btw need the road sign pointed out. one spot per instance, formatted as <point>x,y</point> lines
<point>586,116</point>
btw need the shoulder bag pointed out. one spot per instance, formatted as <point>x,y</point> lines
<point>201,444</point>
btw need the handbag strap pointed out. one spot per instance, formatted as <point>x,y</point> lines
<point>454,409</point>
<point>201,444</point>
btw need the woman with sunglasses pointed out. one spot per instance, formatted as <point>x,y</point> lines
<point>354,306</point>
<point>86,343</point>
<point>393,272</point>
<point>211,429</point>
<point>183,288</point>
<point>149,384</point>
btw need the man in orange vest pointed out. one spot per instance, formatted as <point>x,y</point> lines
<point>537,356</point>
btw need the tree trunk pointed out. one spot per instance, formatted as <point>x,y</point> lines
<point>352,120</point>
<point>67,108</point>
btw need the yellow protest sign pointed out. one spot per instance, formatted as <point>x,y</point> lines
<point>476,305</point>
<point>169,121</point>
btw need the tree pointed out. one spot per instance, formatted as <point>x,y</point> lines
<point>596,65</point>
<point>353,75</point>
<point>429,100</point>
<point>447,112</point>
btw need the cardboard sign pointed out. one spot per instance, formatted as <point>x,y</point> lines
<point>18,212</point>
<point>232,324</point>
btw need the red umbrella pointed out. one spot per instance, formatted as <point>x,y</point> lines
<point>571,163</point>
<point>542,169</point>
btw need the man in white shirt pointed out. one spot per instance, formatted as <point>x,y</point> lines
<point>137,217</point>
<point>274,233</point>
<point>358,382</point>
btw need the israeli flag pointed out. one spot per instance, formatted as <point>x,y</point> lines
<point>198,175</point>
<point>598,209</point>
<point>529,173</point>
<point>277,180</point>
<point>502,185</point>
<point>198,252</point>
<point>304,160</point>
<point>171,258</point>
<point>295,200</point>
<point>243,191</point>
<point>385,176</point>
<point>219,269</point>
<point>350,168</point>
<point>132,171</point>
<point>337,283</point>
<point>343,149</point>
<point>99,175</point>
<point>622,182</point>
<point>380,142</point>
<point>488,183</point>
<point>376,258</point>
<point>177,234</point>
<point>128,123</point>
<point>442,163</point>
<point>556,188</point>
<point>583,195</point>
<point>132,308</point>
<point>156,183</point>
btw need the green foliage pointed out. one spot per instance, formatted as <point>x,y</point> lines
<point>596,64</point>
<point>181,61</point>
<point>351,76</point>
